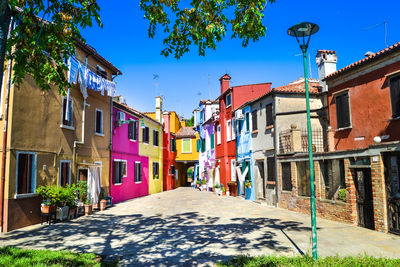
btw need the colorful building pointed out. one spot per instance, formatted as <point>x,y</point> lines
<point>364,136</point>
<point>187,155</point>
<point>231,98</point>
<point>129,169</point>
<point>151,148</point>
<point>205,115</point>
<point>54,139</point>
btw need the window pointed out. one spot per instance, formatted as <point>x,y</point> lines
<point>343,110</point>
<point>333,175</point>
<point>132,130</point>
<point>99,122</point>
<point>65,172</point>
<point>186,145</point>
<point>156,171</point>
<point>270,169</point>
<point>155,137</point>
<point>233,170</point>
<point>286,176</point>
<point>145,134</point>
<point>303,179</point>
<point>270,118</point>
<point>26,172</point>
<point>138,172</point>
<point>172,170</point>
<point>67,116</point>
<point>173,144</point>
<point>395,96</point>
<point>101,72</point>
<point>254,120</point>
<point>228,131</point>
<point>218,134</point>
<point>228,100</point>
<point>212,139</point>
<point>119,170</point>
<point>247,120</point>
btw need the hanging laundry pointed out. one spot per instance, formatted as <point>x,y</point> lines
<point>73,70</point>
<point>83,80</point>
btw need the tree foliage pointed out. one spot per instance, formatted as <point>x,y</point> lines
<point>44,36</point>
<point>190,122</point>
<point>203,23</point>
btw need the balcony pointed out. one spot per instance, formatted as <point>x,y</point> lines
<point>295,140</point>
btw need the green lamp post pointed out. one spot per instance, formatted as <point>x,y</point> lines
<point>302,32</point>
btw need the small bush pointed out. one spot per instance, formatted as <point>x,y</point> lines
<point>342,195</point>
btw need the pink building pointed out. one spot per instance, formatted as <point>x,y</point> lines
<point>129,170</point>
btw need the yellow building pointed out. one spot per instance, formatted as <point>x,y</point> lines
<point>187,154</point>
<point>151,146</point>
<point>53,139</point>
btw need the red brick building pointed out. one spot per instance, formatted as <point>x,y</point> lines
<point>230,99</point>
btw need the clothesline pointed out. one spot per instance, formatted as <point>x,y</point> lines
<point>89,79</point>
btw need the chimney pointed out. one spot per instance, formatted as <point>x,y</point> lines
<point>224,83</point>
<point>159,109</point>
<point>326,62</point>
<point>183,122</point>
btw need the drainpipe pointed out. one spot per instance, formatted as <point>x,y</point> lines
<point>276,144</point>
<point>4,152</point>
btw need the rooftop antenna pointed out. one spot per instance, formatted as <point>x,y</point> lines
<point>385,27</point>
<point>155,77</point>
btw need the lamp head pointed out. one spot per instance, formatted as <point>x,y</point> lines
<point>303,29</point>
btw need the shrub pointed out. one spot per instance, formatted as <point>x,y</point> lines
<point>81,190</point>
<point>203,182</point>
<point>342,194</point>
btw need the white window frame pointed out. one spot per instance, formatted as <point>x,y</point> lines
<point>226,97</point>
<point>141,173</point>
<point>135,126</point>
<point>218,134</point>
<point>228,130</point>
<point>62,125</point>
<point>190,142</point>
<point>123,176</point>
<point>60,169</point>
<point>233,124</point>
<point>102,122</point>
<point>148,141</point>
<point>233,170</point>
<point>34,175</point>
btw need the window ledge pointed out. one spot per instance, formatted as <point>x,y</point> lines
<point>118,184</point>
<point>19,196</point>
<point>269,127</point>
<point>271,182</point>
<point>344,128</point>
<point>138,182</point>
<point>254,132</point>
<point>395,118</point>
<point>286,192</point>
<point>132,140</point>
<point>67,127</point>
<point>99,134</point>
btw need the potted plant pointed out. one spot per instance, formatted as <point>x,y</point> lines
<point>223,189</point>
<point>48,206</point>
<point>70,199</point>
<point>197,184</point>
<point>88,206</point>
<point>81,192</point>
<point>233,186</point>
<point>217,189</point>
<point>103,201</point>
<point>247,186</point>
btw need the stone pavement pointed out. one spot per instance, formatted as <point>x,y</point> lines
<point>189,227</point>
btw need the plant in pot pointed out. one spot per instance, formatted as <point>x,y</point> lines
<point>217,189</point>
<point>223,189</point>
<point>203,184</point>
<point>233,186</point>
<point>81,192</point>
<point>48,205</point>
<point>88,206</point>
<point>103,201</point>
<point>198,184</point>
<point>70,200</point>
<point>247,186</point>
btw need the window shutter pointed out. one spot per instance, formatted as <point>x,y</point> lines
<point>212,141</point>
<point>268,111</point>
<point>395,95</point>
<point>144,135</point>
<point>254,119</point>
<point>115,172</point>
<point>271,169</point>
<point>134,131</point>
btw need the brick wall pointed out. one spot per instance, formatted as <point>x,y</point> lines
<point>379,194</point>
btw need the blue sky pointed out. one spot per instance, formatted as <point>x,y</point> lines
<point>345,26</point>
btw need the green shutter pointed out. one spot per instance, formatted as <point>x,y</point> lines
<point>203,145</point>
<point>186,145</point>
<point>212,141</point>
<point>198,145</point>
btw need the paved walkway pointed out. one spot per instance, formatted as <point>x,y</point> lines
<point>189,227</point>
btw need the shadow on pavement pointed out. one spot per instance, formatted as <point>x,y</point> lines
<point>184,239</point>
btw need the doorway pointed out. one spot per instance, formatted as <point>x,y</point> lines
<point>392,181</point>
<point>365,205</point>
<point>261,184</point>
<point>82,174</point>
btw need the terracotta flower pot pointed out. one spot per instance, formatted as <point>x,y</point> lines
<point>48,209</point>
<point>103,204</point>
<point>88,209</point>
<point>95,206</point>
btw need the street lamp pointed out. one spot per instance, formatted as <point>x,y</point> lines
<point>302,32</point>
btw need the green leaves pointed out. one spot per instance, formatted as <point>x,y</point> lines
<point>203,23</point>
<point>45,35</point>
